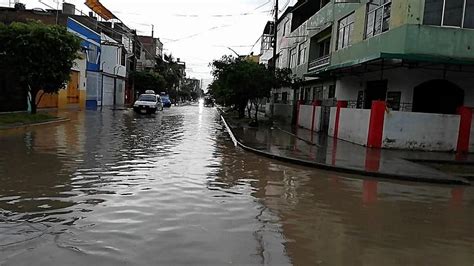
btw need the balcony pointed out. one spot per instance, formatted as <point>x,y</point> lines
<point>319,62</point>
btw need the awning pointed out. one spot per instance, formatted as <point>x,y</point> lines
<point>391,57</point>
<point>100,9</point>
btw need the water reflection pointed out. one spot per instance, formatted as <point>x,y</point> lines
<point>170,188</point>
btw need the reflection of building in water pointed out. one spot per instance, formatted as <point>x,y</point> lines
<point>333,220</point>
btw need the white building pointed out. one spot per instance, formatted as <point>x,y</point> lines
<point>114,71</point>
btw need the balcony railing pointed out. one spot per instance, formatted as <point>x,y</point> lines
<point>319,62</point>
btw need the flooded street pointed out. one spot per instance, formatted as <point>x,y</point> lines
<point>115,188</point>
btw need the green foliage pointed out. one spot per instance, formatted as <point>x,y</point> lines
<point>172,72</point>
<point>40,55</point>
<point>24,118</point>
<point>237,81</point>
<point>148,81</point>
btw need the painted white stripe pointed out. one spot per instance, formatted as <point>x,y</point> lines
<point>83,37</point>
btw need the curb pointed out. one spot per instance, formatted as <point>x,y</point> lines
<point>296,136</point>
<point>25,126</point>
<point>347,170</point>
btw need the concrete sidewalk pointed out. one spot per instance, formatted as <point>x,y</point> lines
<point>304,147</point>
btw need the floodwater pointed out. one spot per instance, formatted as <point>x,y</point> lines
<point>115,188</point>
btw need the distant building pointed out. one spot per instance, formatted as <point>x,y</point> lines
<point>151,50</point>
<point>266,44</point>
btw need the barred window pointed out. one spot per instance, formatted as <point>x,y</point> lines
<point>345,28</point>
<point>378,17</point>
<point>452,13</point>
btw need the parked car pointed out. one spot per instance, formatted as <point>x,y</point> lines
<point>148,104</point>
<point>165,100</point>
<point>208,101</point>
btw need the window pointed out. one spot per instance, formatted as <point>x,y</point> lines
<point>284,97</point>
<point>453,13</point>
<point>378,17</point>
<point>302,54</point>
<point>285,27</point>
<point>332,91</point>
<point>345,28</point>
<point>293,58</point>
<point>276,98</point>
<point>324,47</point>
<point>318,93</point>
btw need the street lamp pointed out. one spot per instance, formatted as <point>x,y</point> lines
<point>233,51</point>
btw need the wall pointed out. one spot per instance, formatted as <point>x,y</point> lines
<point>108,94</point>
<point>305,116</point>
<point>421,131</point>
<point>94,89</point>
<point>283,41</point>
<point>440,41</point>
<point>404,80</point>
<point>283,112</point>
<point>110,60</point>
<point>354,125</point>
<point>80,65</point>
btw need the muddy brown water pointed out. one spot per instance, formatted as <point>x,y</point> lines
<point>114,188</point>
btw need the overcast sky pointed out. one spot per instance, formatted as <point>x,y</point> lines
<point>197,31</point>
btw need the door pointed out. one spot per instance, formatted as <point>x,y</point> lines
<point>73,88</point>
<point>108,91</point>
<point>375,91</point>
<point>326,114</point>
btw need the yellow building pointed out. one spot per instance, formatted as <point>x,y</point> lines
<point>74,94</point>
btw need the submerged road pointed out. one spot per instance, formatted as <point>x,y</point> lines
<point>115,188</point>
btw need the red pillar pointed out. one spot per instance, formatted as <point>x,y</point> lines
<point>457,196</point>
<point>340,104</point>
<point>464,129</point>
<point>370,191</point>
<point>377,117</point>
<point>372,159</point>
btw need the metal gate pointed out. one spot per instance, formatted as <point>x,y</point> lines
<point>73,88</point>
<point>326,114</point>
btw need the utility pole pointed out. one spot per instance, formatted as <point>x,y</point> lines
<point>274,63</point>
<point>275,31</point>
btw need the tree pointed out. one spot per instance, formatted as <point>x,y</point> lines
<point>143,81</point>
<point>172,72</point>
<point>239,82</point>
<point>40,55</point>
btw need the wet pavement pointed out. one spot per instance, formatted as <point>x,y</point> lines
<point>114,188</point>
<point>300,145</point>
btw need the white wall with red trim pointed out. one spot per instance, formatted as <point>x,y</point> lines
<point>354,126</point>
<point>397,130</point>
<point>310,117</point>
<point>420,131</point>
<point>305,116</point>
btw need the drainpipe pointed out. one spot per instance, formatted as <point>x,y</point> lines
<point>102,86</point>
<point>115,86</point>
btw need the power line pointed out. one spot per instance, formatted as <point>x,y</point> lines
<point>219,15</point>
<point>199,33</point>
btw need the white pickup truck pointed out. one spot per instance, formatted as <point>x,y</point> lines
<point>148,104</point>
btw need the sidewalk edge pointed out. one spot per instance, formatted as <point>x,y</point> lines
<point>346,170</point>
<point>50,122</point>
